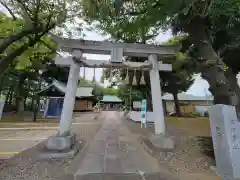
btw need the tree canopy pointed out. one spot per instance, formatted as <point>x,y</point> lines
<point>200,20</point>
<point>31,20</point>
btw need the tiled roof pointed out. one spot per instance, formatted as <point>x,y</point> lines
<point>81,91</point>
<point>187,97</point>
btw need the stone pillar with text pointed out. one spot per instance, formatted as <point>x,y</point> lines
<point>225,129</point>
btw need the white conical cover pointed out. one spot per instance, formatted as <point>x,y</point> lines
<point>126,79</point>
<point>142,81</point>
<point>134,82</point>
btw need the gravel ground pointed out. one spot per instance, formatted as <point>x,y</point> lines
<point>26,166</point>
<point>187,156</point>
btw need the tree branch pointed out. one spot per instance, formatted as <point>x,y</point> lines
<point>9,10</point>
<point>11,39</point>
<point>143,11</point>
<point>134,13</point>
<point>47,45</point>
<point>5,62</point>
<point>36,13</point>
<point>25,9</point>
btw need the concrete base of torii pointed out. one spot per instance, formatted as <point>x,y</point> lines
<point>58,147</point>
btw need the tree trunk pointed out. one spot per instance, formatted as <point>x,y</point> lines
<point>177,106</point>
<point>35,110</point>
<point>32,103</point>
<point>37,105</point>
<point>232,79</point>
<point>214,72</point>
<point>1,84</point>
<point>8,95</point>
<point>164,107</point>
<point>21,105</point>
<point>20,95</point>
<point>11,96</point>
<point>25,101</point>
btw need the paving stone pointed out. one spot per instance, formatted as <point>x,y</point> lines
<point>112,166</point>
<point>92,163</point>
<point>115,154</point>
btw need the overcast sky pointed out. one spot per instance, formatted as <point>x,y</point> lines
<point>199,88</point>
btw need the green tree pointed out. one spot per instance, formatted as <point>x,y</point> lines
<point>110,91</point>
<point>181,78</point>
<point>129,94</point>
<point>31,21</point>
<point>24,77</point>
<point>194,17</point>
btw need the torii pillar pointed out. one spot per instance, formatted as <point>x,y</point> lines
<point>70,96</point>
<point>159,122</point>
<point>159,139</point>
<point>64,144</point>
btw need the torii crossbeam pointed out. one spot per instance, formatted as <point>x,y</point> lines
<point>108,47</point>
<point>144,66</point>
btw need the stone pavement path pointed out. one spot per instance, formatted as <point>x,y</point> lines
<point>115,154</point>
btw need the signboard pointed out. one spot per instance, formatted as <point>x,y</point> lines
<point>143,113</point>
<point>137,104</point>
<point>225,129</point>
<point>2,102</point>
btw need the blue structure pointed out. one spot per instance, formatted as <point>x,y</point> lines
<point>54,107</point>
<point>55,97</point>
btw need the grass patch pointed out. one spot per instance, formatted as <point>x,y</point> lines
<point>199,126</point>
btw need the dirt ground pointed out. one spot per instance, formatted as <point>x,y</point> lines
<point>26,165</point>
<point>187,160</point>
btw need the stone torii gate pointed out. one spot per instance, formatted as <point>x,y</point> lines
<point>64,139</point>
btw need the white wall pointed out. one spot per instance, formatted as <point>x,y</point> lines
<point>201,109</point>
